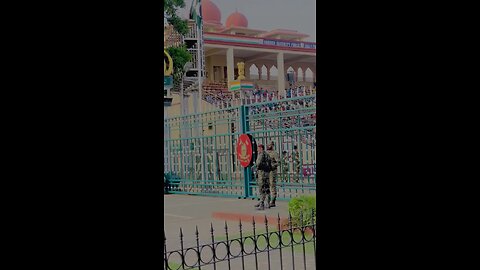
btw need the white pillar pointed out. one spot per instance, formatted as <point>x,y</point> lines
<point>281,74</point>
<point>230,65</point>
<point>230,69</point>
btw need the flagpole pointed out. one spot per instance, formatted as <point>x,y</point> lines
<point>200,55</point>
<point>200,68</point>
<point>200,92</point>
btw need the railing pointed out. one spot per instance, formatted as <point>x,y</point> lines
<point>286,246</point>
<point>192,33</point>
<point>200,149</point>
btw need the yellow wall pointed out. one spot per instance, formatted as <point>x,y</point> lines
<point>175,111</point>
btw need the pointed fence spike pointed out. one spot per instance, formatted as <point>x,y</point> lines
<point>279,222</point>
<point>289,217</point>
<point>226,229</point>
<point>301,218</point>
<point>211,227</point>
<point>181,233</point>
<point>196,230</point>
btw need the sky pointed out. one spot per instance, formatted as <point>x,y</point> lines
<point>299,15</point>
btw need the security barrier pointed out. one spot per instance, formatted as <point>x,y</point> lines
<point>267,246</point>
<point>200,149</point>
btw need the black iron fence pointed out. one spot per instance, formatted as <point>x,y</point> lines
<point>283,246</point>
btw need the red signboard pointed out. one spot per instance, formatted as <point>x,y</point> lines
<point>244,150</point>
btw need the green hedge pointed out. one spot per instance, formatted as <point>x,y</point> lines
<point>303,204</point>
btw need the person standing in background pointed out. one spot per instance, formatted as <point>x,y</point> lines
<point>284,166</point>
<point>296,164</point>
<point>262,163</point>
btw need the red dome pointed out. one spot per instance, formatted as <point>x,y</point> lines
<point>237,19</point>
<point>210,12</point>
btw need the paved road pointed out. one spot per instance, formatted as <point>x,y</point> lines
<point>187,212</point>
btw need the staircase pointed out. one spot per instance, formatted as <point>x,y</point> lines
<point>173,39</point>
<point>190,84</point>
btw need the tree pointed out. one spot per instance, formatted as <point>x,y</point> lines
<point>170,8</point>
<point>180,57</point>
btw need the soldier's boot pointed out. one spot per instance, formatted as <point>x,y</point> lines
<point>261,206</point>
<point>258,204</point>
<point>272,203</point>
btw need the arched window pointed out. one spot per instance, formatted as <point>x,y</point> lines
<point>273,73</point>
<point>253,72</point>
<point>264,73</point>
<point>290,74</point>
<point>301,75</point>
<point>308,75</point>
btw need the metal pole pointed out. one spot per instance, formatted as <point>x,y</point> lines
<point>200,67</point>
<point>247,172</point>
<point>182,105</point>
<point>200,97</point>
<point>166,155</point>
<point>183,131</point>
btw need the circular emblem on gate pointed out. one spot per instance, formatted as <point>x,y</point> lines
<point>244,150</point>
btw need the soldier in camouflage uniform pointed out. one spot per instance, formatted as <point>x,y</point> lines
<point>273,173</point>
<point>262,180</point>
<point>296,164</point>
<point>284,166</point>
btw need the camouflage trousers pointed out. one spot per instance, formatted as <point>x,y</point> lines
<point>272,177</point>
<point>263,185</point>
<point>285,174</point>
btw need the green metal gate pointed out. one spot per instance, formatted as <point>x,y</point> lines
<point>200,153</point>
